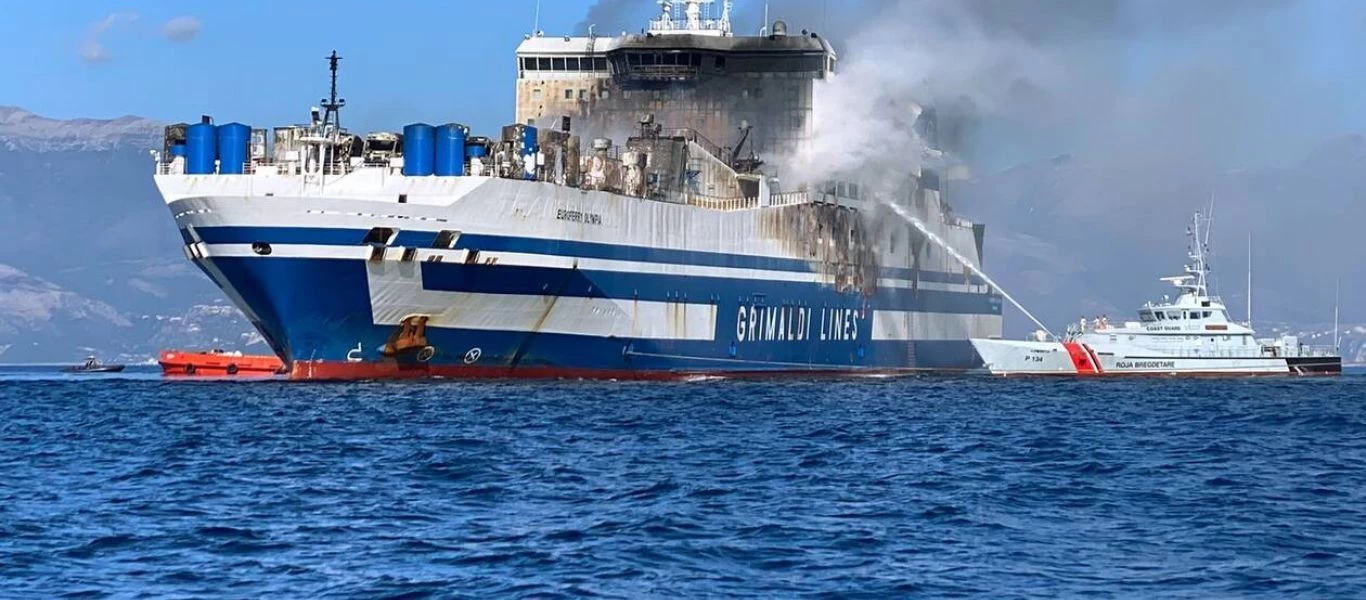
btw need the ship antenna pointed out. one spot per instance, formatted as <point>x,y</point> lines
<point>1249,280</point>
<point>1337,290</point>
<point>333,104</point>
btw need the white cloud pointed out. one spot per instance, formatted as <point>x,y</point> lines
<point>92,50</point>
<point>181,29</point>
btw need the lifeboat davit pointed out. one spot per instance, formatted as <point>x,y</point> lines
<point>217,363</point>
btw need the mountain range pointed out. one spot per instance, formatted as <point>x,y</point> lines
<point>89,260</point>
<point>91,263</point>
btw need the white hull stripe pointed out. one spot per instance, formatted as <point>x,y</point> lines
<point>563,262</point>
<point>895,325</point>
<point>396,293</point>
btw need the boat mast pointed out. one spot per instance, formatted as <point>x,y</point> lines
<point>332,104</point>
<point>1249,279</point>
<point>1197,253</point>
<point>1337,289</point>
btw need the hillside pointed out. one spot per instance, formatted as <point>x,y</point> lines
<point>90,252</point>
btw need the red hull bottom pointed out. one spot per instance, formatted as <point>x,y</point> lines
<point>342,371</point>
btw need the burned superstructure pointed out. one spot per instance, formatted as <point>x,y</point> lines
<point>688,70</point>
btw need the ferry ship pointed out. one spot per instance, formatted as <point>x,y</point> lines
<point>553,249</point>
<point>1191,335</point>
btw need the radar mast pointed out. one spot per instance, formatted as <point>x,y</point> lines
<point>332,105</point>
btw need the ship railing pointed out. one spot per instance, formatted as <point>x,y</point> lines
<point>716,203</point>
<point>789,198</point>
<point>266,167</point>
<point>747,203</point>
<point>1316,350</point>
<point>681,26</point>
<point>695,136</point>
<point>657,73</point>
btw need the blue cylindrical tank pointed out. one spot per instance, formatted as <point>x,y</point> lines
<point>234,140</point>
<point>419,149</point>
<point>201,148</point>
<point>450,150</point>
<point>177,150</point>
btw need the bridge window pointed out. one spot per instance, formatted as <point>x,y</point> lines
<point>572,63</point>
<point>558,64</point>
<point>1173,315</point>
<point>1146,316</point>
<point>600,64</point>
<point>528,64</point>
<point>543,64</point>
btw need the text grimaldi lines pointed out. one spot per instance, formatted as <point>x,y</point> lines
<point>760,323</point>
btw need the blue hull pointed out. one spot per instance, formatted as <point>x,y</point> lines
<point>317,314</point>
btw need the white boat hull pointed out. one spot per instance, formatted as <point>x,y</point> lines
<point>1009,357</point>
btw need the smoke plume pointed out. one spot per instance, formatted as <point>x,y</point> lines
<point>1152,82</point>
<point>1083,119</point>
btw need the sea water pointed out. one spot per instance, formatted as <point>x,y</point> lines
<point>875,488</point>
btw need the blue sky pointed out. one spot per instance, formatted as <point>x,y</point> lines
<point>262,62</point>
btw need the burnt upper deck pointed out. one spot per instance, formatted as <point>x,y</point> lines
<point>706,82</point>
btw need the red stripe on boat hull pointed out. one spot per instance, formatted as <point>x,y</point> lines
<point>1081,359</point>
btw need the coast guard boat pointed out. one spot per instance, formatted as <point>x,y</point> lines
<point>1191,335</point>
<point>556,250</point>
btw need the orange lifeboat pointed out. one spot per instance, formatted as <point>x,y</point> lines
<point>217,363</point>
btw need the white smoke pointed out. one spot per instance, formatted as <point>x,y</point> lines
<point>1045,77</point>
<point>865,116</point>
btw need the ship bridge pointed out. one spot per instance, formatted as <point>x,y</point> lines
<point>687,68</point>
